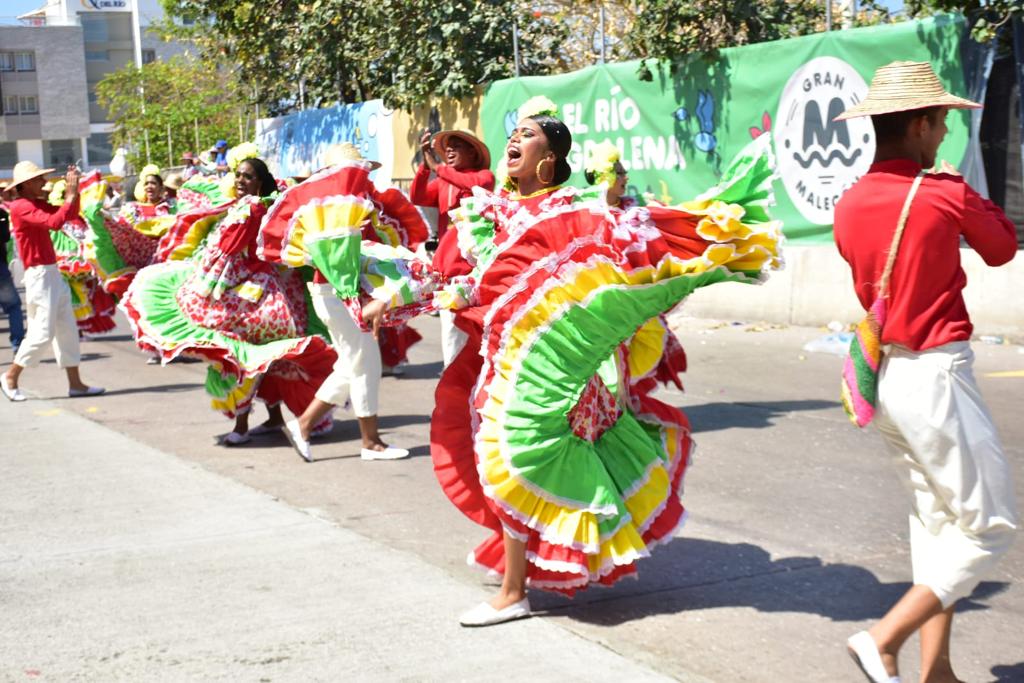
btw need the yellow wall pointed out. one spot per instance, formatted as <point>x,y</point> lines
<point>407,129</point>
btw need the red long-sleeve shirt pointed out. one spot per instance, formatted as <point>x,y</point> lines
<point>31,222</point>
<point>446,190</point>
<point>926,305</point>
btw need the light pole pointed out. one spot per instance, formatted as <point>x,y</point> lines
<point>137,39</point>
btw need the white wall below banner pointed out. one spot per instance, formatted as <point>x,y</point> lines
<point>816,288</point>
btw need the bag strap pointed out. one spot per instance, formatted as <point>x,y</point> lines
<point>883,284</point>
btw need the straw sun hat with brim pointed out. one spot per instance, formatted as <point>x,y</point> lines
<point>904,86</point>
<point>440,141</point>
<point>174,181</point>
<point>27,170</point>
<point>346,151</point>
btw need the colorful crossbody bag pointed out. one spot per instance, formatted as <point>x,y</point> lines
<point>859,385</point>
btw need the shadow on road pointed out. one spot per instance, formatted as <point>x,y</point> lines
<point>710,417</point>
<point>345,431</point>
<point>1008,673</point>
<point>111,338</point>
<point>157,389</point>
<point>696,574</point>
<point>421,371</point>
<point>85,357</point>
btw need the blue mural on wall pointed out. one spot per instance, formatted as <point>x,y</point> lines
<point>298,142</point>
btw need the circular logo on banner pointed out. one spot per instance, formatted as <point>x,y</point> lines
<point>818,158</point>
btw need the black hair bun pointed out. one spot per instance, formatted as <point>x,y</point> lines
<point>562,171</point>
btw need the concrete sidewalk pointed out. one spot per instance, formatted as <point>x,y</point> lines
<point>122,562</point>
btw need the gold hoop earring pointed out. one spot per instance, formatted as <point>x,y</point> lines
<point>540,176</point>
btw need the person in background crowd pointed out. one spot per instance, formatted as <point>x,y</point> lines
<point>466,164</point>
<point>191,165</point>
<point>10,302</point>
<point>459,162</point>
<point>51,319</point>
<point>929,409</point>
<point>171,186</point>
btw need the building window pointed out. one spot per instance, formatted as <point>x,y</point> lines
<point>61,153</point>
<point>8,154</point>
<point>148,56</point>
<point>25,61</point>
<point>10,105</point>
<point>94,29</point>
<point>6,61</point>
<point>101,151</point>
<point>29,104</point>
<point>97,56</point>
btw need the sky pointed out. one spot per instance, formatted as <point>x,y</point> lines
<point>13,8</point>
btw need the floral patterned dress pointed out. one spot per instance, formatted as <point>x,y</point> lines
<point>249,319</point>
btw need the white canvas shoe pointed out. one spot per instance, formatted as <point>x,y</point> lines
<point>12,393</point>
<point>294,434</point>
<point>389,453</point>
<point>485,615</point>
<point>864,652</point>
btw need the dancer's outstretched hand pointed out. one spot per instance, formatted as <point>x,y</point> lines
<point>373,315</point>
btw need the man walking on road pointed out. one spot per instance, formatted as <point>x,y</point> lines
<point>929,409</point>
<point>50,316</point>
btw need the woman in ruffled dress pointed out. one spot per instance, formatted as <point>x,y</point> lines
<point>539,432</point>
<point>247,318</point>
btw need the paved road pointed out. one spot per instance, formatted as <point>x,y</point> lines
<point>242,563</point>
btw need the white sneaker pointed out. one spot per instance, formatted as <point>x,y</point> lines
<point>485,615</point>
<point>389,453</point>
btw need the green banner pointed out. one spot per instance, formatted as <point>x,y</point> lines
<point>677,133</point>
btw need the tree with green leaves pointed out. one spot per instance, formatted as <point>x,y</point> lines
<point>173,103</point>
<point>319,52</point>
<point>675,30</point>
<point>985,18</point>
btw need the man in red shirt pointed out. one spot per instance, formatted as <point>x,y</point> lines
<point>929,410</point>
<point>466,165</point>
<point>51,319</point>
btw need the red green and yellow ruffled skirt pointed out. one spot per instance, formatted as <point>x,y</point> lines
<point>541,429</point>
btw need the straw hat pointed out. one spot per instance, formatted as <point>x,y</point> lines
<point>27,170</point>
<point>903,86</point>
<point>440,141</point>
<point>346,151</point>
<point>173,181</point>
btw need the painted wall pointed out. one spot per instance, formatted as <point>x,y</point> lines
<point>297,144</point>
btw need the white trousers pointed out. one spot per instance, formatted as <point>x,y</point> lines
<point>452,338</point>
<point>51,319</point>
<point>356,373</point>
<point>963,515</point>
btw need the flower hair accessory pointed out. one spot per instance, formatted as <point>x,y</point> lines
<point>241,152</point>
<point>536,106</point>
<point>601,162</point>
<point>148,170</point>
